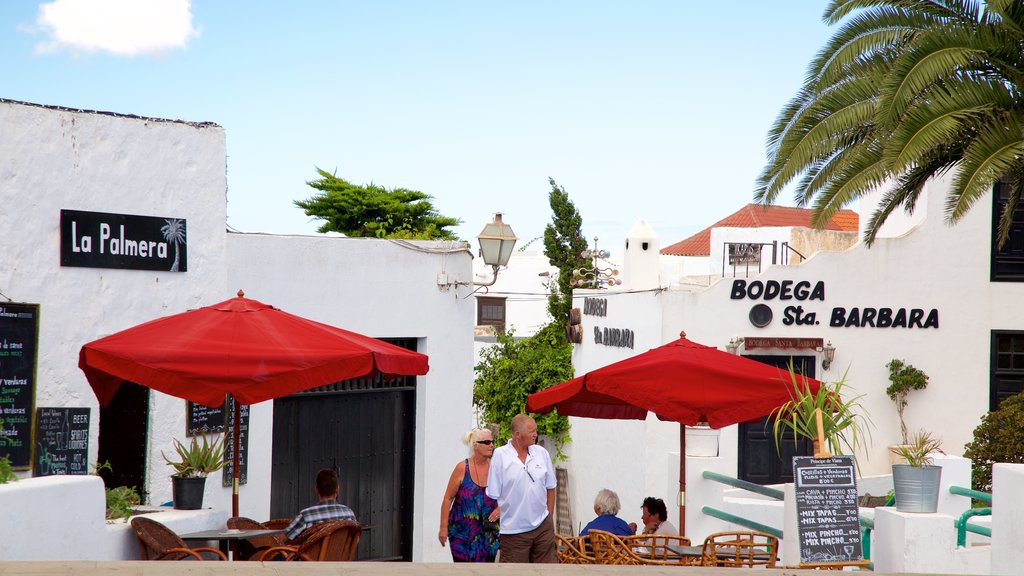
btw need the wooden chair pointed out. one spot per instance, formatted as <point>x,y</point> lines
<point>611,549</point>
<point>249,548</point>
<point>158,542</point>
<point>663,549</point>
<point>741,548</point>
<point>333,541</point>
<point>573,550</point>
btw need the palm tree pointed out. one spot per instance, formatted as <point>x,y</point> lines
<point>174,231</point>
<point>906,90</point>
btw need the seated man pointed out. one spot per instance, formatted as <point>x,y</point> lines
<point>654,515</point>
<point>328,509</point>
<point>606,506</point>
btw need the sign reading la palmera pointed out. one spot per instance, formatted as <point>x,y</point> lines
<point>840,316</point>
<point>125,241</point>
<point>117,244</point>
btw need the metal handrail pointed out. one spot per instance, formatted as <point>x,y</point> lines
<point>962,527</point>
<point>746,523</point>
<point>974,494</point>
<point>743,484</point>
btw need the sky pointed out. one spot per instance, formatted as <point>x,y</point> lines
<point>639,109</point>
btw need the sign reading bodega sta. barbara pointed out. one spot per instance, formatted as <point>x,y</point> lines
<point>124,241</point>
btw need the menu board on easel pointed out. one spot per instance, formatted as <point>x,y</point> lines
<point>62,442</point>
<point>201,419</point>
<point>828,519</point>
<point>243,443</point>
<point>19,335</point>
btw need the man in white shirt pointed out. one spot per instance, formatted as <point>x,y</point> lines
<point>522,480</point>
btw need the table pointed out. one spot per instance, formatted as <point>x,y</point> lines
<point>225,536</point>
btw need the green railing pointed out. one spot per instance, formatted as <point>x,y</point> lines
<point>749,486</point>
<point>746,523</point>
<point>962,527</point>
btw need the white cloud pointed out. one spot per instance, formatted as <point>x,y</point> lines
<point>123,27</point>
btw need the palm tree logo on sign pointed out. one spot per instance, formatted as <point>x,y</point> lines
<point>174,233</point>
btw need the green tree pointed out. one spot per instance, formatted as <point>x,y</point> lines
<point>564,245</point>
<point>905,90</point>
<point>513,369</point>
<point>375,211</point>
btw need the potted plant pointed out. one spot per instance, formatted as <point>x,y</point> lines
<point>916,483</point>
<point>843,421</point>
<point>904,379</point>
<point>194,463</point>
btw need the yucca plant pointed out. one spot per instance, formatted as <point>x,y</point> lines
<point>918,448</point>
<point>197,460</point>
<point>843,421</point>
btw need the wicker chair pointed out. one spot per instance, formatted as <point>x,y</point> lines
<point>333,541</point>
<point>611,549</point>
<point>573,550</point>
<point>741,548</point>
<point>158,542</point>
<point>662,549</point>
<point>249,548</point>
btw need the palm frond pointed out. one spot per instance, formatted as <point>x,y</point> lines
<point>998,146</point>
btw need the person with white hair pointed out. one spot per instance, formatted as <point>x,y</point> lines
<point>469,517</point>
<point>606,506</point>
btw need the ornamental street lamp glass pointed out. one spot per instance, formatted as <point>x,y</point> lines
<point>496,242</point>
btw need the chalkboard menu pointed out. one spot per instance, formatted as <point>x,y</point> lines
<point>201,419</point>
<point>19,335</point>
<point>243,443</point>
<point>62,441</point>
<point>826,507</point>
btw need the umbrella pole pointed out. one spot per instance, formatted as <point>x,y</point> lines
<point>682,478</point>
<point>234,457</point>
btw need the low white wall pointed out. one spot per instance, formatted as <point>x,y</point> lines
<point>1007,518</point>
<point>62,518</point>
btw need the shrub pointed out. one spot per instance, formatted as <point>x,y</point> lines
<point>999,438</point>
<point>6,471</point>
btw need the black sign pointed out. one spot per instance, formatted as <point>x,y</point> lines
<point>201,419</point>
<point>62,442</point>
<point>826,506</point>
<point>19,335</point>
<point>124,241</point>
<point>243,443</point>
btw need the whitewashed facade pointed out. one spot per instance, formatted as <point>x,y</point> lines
<point>57,159</point>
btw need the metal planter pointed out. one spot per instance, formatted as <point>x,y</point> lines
<point>917,489</point>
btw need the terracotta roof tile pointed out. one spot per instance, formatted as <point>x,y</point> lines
<point>758,216</point>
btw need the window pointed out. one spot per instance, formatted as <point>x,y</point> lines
<point>490,311</point>
<point>1007,367</point>
<point>1007,262</point>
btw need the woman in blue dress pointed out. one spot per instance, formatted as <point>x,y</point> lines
<point>469,519</point>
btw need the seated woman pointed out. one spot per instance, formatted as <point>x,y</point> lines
<point>606,506</point>
<point>654,515</point>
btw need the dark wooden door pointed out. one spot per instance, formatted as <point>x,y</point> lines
<point>759,460</point>
<point>366,431</point>
<point>123,437</point>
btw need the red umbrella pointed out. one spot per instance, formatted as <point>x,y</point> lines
<point>681,381</point>
<point>242,347</point>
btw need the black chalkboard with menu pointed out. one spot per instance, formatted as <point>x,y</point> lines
<point>62,442</point>
<point>826,505</point>
<point>19,335</point>
<point>243,444</point>
<point>201,419</point>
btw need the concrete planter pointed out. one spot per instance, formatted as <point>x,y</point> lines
<point>701,441</point>
<point>917,488</point>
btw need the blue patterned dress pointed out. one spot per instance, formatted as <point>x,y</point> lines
<point>471,537</point>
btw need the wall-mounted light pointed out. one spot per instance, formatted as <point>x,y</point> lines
<point>733,347</point>
<point>496,242</point>
<point>828,353</point>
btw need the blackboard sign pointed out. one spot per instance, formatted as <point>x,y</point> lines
<point>124,241</point>
<point>19,336</point>
<point>62,442</point>
<point>201,419</point>
<point>826,506</point>
<point>243,443</point>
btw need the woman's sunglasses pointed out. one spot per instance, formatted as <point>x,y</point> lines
<point>487,442</point>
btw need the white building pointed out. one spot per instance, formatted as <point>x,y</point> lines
<point>100,169</point>
<point>938,297</point>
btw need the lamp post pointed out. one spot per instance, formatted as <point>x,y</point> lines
<point>496,243</point>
